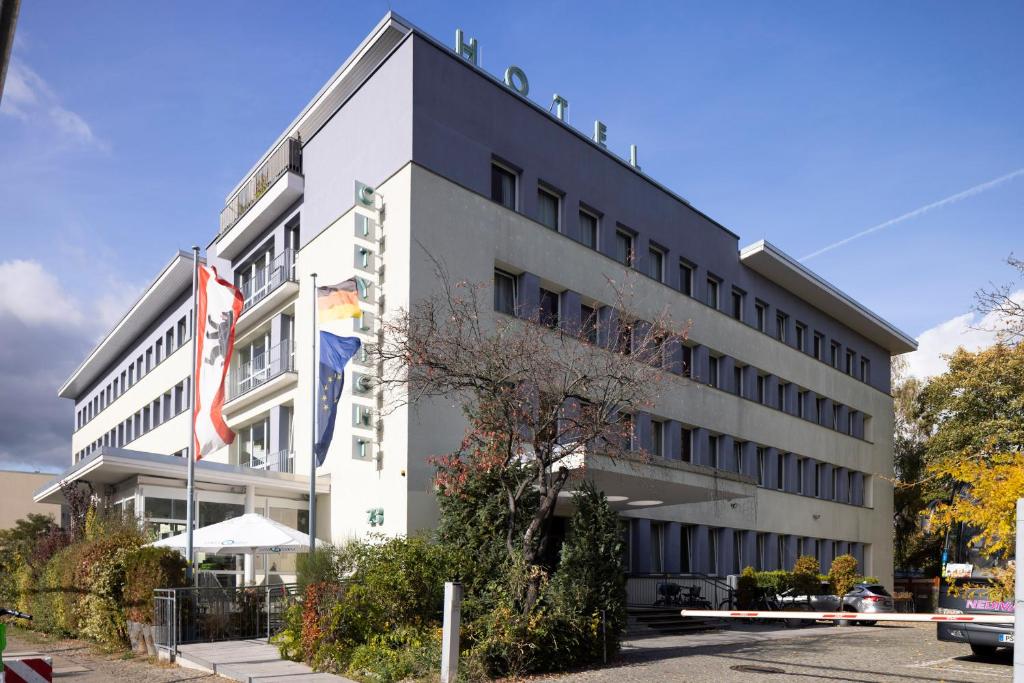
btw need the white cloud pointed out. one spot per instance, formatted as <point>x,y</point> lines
<point>34,296</point>
<point>29,98</point>
<point>970,330</point>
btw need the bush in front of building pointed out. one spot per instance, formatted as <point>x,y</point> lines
<point>842,575</point>
<point>807,575</point>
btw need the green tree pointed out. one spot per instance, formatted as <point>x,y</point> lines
<point>16,546</point>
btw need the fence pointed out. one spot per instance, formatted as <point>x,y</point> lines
<point>214,613</point>
<point>677,590</point>
<point>286,157</point>
<point>266,279</point>
<point>263,367</point>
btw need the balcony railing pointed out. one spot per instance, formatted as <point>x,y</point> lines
<point>280,270</point>
<point>281,461</point>
<point>261,369</point>
<point>286,157</point>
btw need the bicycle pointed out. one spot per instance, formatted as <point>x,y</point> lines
<point>3,634</point>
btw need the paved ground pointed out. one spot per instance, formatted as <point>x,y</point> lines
<point>253,661</point>
<point>904,653</point>
<point>81,662</point>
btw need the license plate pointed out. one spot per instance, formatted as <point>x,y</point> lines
<point>1005,637</point>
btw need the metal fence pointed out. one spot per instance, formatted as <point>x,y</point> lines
<point>697,591</point>
<point>265,280</point>
<point>208,614</point>
<point>286,157</point>
<point>261,369</point>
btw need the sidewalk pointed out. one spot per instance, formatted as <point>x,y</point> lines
<point>248,661</point>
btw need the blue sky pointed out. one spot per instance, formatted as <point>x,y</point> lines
<point>125,124</point>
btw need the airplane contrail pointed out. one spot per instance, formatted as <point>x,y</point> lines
<point>952,199</point>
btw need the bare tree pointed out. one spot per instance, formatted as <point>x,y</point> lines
<point>1006,305</point>
<point>540,394</point>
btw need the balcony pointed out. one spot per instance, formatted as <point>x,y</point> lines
<point>272,188</point>
<point>267,290</point>
<point>264,375</point>
<point>281,461</point>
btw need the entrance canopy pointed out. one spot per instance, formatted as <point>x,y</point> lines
<point>249,533</point>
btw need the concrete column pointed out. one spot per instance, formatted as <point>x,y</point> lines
<point>791,473</point>
<point>772,561</point>
<point>670,552</point>
<point>857,494</point>
<point>771,468</point>
<point>844,412</point>
<point>826,555</point>
<point>726,551</point>
<point>641,546</point>
<point>528,295</point>
<point>748,549</point>
<point>750,382</point>
<point>809,475</point>
<point>642,432</point>
<point>791,399</point>
<point>673,440</point>
<point>699,360</point>
<point>569,312</point>
<point>250,560</point>
<point>699,546</point>
<point>857,550</point>
<point>700,447</point>
<point>788,559</point>
<point>842,493</point>
<point>825,416</point>
<point>843,548</point>
<point>726,366</point>
<point>858,424</point>
<point>674,356</point>
<point>826,485</point>
<point>808,399</point>
<point>726,456</point>
<point>749,464</point>
<point>771,391</point>
<point>607,326</point>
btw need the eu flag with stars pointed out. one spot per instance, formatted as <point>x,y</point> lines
<point>335,353</point>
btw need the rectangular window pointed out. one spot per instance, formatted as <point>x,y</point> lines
<point>834,355</point>
<point>819,345</point>
<point>761,315</point>
<point>761,389</point>
<point>762,557</point>
<point>713,551</point>
<point>737,456</point>
<point>624,247</point>
<point>182,331</point>
<point>850,418</point>
<point>865,369</point>
<point>548,308</point>
<point>818,469</point>
<point>835,483</point>
<point>781,403</point>
<point>656,263</point>
<point>503,186</point>
<point>686,278</point>
<point>686,443</point>
<point>737,304</point>
<point>713,450</point>
<point>712,293</point>
<point>781,321</point>
<point>801,337</point>
<point>760,466</point>
<point>849,486</point>
<point>688,361</point>
<point>819,405</point>
<point>588,324</point>
<point>588,229</point>
<point>850,357</point>
<point>801,404</point>
<point>658,438</point>
<point>504,292</point>
<point>713,371</point>
<point>780,470</point>
<point>835,416</point>
<point>800,475</point>
<point>548,208</point>
<point>737,380</point>
<point>149,359</point>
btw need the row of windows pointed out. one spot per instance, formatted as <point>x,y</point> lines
<point>780,470</point>
<point>170,404</point>
<point>746,381</point>
<point>725,552</point>
<point>160,350</point>
<point>505,191</point>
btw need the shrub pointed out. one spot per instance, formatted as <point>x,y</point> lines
<point>145,570</point>
<point>842,575</point>
<point>320,566</point>
<point>747,588</point>
<point>397,656</point>
<point>806,573</point>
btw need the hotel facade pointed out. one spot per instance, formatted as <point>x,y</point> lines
<point>771,438</point>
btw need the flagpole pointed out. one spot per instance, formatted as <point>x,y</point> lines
<point>312,436</point>
<point>190,507</point>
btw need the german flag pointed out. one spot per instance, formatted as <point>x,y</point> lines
<point>338,302</point>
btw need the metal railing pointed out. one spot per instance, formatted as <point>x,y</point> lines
<point>677,590</point>
<point>261,369</point>
<point>279,461</point>
<point>209,614</point>
<point>286,157</point>
<point>280,270</point>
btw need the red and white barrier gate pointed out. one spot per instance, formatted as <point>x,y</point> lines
<point>28,670</point>
<point>851,616</point>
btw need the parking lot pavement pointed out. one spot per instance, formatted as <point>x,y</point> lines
<point>906,653</point>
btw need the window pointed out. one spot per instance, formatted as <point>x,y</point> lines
<point>737,379</point>
<point>780,471</point>
<point>686,443</point>
<point>713,371</point>
<point>548,308</point>
<point>737,304</point>
<point>819,405</point>
<point>503,186</point>
<point>588,229</point>
<point>850,357</point>
<point>656,263</point>
<point>801,404</point>
<point>713,449</point>
<point>819,345</point>
<point>800,475</point>
<point>182,331</point>
<point>762,557</point>
<point>688,360</point>
<point>713,551</point>
<point>504,292</point>
<point>627,427</point>
<point>588,323</point>
<point>781,321</point>
<point>712,293</point>
<point>849,486</point>
<point>865,369</point>
<point>834,355</point>
<point>737,456</point>
<point>851,417</point>
<point>801,337</point>
<point>781,404</point>
<point>548,208</point>
<point>818,469</point>
<point>658,438</point>
<point>835,483</point>
<point>835,416</point>
<point>624,247</point>
<point>760,466</point>
<point>657,544</point>
<point>761,389</point>
<point>761,315</point>
<point>686,278</point>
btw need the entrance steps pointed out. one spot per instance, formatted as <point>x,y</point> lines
<point>661,621</point>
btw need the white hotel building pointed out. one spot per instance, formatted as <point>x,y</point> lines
<point>773,438</point>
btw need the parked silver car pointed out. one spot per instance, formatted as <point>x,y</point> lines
<point>870,598</point>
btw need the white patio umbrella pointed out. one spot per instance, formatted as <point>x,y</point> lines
<point>249,533</point>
